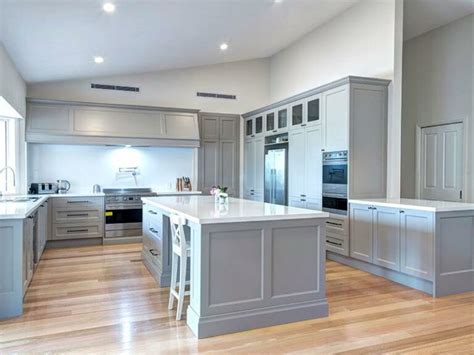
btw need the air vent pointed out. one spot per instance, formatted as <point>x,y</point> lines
<point>115,87</point>
<point>217,96</point>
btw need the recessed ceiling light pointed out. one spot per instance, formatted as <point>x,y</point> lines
<point>108,7</point>
<point>99,60</point>
<point>278,1</point>
<point>224,46</point>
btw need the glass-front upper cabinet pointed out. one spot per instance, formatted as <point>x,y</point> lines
<point>282,118</point>
<point>270,126</point>
<point>249,127</point>
<point>258,125</point>
<point>313,109</point>
<point>297,111</point>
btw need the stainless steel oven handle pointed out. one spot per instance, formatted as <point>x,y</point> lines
<point>123,207</point>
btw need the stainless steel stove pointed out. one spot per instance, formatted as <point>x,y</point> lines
<point>123,212</point>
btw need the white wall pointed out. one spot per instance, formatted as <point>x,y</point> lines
<point>87,165</point>
<point>12,85</point>
<point>359,42</point>
<point>438,76</point>
<point>248,80</point>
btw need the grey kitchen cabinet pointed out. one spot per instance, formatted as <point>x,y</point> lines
<point>282,118</point>
<point>28,252</point>
<point>337,234</point>
<point>375,235</point>
<point>43,230</point>
<point>77,217</point>
<point>417,243</point>
<point>386,234</point>
<point>218,156</point>
<point>254,126</point>
<point>270,123</point>
<point>306,112</point>
<point>361,232</point>
<point>297,114</point>
<point>60,122</point>
<point>254,169</point>
<point>305,167</point>
<point>336,118</point>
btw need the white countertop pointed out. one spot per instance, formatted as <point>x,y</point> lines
<point>19,210</point>
<point>203,210</point>
<point>177,193</point>
<point>73,194</point>
<point>421,205</point>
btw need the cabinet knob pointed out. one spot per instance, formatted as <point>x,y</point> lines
<point>402,211</point>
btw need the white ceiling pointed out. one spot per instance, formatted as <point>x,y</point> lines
<point>421,16</point>
<point>57,39</point>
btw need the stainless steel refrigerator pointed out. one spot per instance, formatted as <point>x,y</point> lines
<point>276,174</point>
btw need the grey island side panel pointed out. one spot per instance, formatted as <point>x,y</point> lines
<point>247,275</point>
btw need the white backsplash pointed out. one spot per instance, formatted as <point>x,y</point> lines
<point>86,165</point>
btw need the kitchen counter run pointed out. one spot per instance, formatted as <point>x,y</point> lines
<point>421,205</point>
<point>203,210</point>
<point>19,210</point>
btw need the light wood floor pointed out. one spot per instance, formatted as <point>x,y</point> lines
<point>102,299</point>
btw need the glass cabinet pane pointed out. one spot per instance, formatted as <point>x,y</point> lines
<point>270,121</point>
<point>297,114</point>
<point>282,118</point>
<point>313,110</point>
<point>249,127</point>
<point>258,124</point>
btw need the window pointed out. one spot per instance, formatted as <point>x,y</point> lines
<point>7,154</point>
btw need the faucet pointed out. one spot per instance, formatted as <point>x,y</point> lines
<point>6,177</point>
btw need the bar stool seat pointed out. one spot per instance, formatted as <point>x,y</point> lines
<point>181,250</point>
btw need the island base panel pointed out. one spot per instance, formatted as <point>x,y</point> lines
<point>204,327</point>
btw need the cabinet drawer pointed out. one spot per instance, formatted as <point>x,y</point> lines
<point>337,224</point>
<point>67,215</point>
<point>78,203</point>
<point>337,243</point>
<point>78,231</point>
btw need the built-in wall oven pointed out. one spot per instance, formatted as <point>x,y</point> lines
<point>335,174</point>
<point>123,212</point>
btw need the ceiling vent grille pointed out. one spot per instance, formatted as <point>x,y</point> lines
<point>217,96</point>
<point>115,87</point>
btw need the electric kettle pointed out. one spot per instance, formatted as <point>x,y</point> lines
<point>63,186</point>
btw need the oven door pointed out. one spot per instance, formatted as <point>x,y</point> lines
<point>122,218</point>
<point>335,177</point>
<point>335,204</point>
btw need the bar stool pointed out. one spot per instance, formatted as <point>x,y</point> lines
<point>182,250</point>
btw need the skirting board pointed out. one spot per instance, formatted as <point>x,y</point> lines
<point>204,327</point>
<point>124,240</point>
<point>51,244</point>
<point>395,276</point>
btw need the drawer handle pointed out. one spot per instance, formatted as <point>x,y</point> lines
<point>78,214</point>
<point>153,230</point>
<point>303,125</point>
<point>334,243</point>
<point>334,224</point>
<point>78,201</point>
<point>152,252</point>
<point>77,230</point>
<point>152,212</point>
<point>303,195</point>
<point>275,131</point>
<point>303,200</point>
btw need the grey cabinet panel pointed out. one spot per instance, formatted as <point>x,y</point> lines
<point>229,166</point>
<point>417,243</point>
<point>210,164</point>
<point>219,152</point>
<point>181,125</point>
<point>77,231</point>
<point>259,165</point>
<point>387,238</point>
<point>361,235</point>
<point>49,118</point>
<point>313,162</point>
<point>28,253</point>
<point>296,163</point>
<point>336,118</point>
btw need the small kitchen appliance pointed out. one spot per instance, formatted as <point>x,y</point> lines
<point>63,186</point>
<point>43,188</point>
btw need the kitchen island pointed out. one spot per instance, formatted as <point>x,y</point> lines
<point>253,264</point>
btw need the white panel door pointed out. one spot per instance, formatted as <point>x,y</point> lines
<point>259,167</point>
<point>313,162</point>
<point>387,237</point>
<point>336,118</point>
<point>361,235</point>
<point>249,167</point>
<point>296,163</point>
<point>442,162</point>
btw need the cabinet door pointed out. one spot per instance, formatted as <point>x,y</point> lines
<point>258,126</point>
<point>296,163</point>
<point>282,114</point>
<point>417,243</point>
<point>249,127</point>
<point>387,237</point>
<point>297,114</point>
<point>28,255</point>
<point>209,164</point>
<point>43,227</point>
<point>249,166</point>
<point>209,127</point>
<point>336,118</point>
<point>361,235</point>
<point>270,123</point>
<point>43,118</point>
<point>313,110</point>
<point>313,163</point>
<point>177,125</point>
<point>228,166</point>
<point>229,128</point>
<point>259,165</point>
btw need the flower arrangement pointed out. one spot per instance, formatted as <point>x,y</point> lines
<point>219,193</point>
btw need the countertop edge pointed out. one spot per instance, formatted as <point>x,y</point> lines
<point>412,207</point>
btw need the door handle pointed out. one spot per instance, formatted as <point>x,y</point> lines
<point>152,252</point>
<point>152,212</point>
